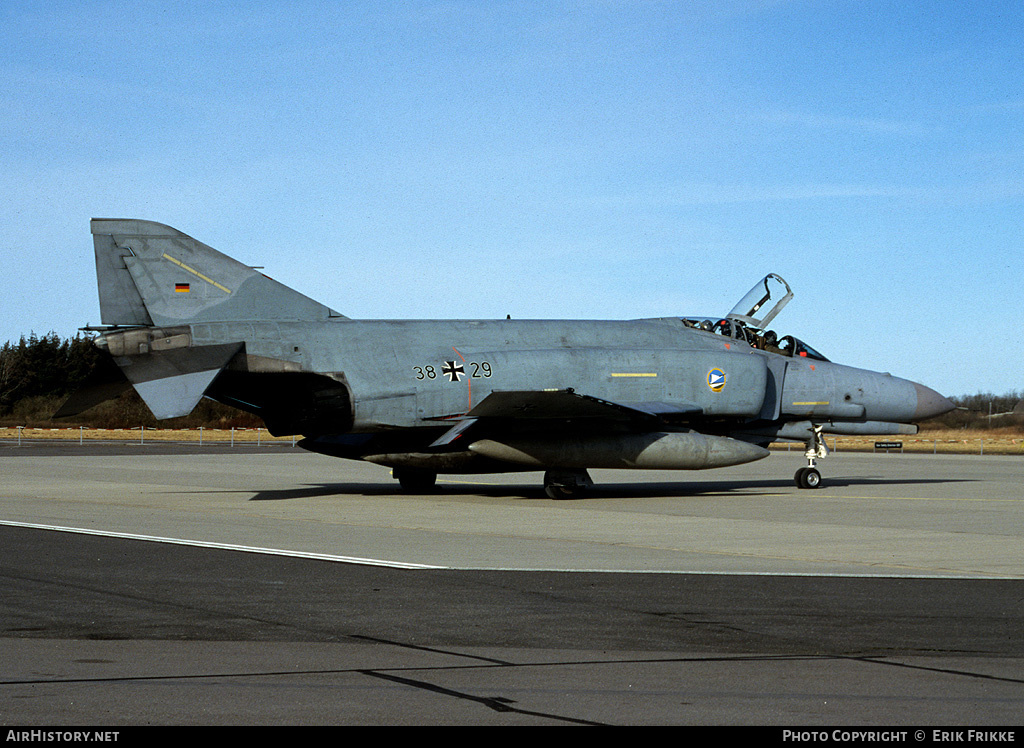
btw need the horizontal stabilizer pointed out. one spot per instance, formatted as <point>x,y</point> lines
<point>175,396</point>
<point>172,382</point>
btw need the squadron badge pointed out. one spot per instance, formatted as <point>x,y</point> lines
<point>716,380</point>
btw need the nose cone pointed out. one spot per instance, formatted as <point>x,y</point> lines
<point>930,403</point>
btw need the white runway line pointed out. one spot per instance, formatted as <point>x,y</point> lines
<point>226,546</point>
<point>357,561</point>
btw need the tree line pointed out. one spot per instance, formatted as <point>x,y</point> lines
<point>46,366</point>
<point>985,410</point>
<point>39,372</point>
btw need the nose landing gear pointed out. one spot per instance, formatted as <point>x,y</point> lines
<point>809,477</point>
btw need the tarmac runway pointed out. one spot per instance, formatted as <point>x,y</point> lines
<point>173,584</point>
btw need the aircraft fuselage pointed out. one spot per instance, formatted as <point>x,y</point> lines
<point>408,374</point>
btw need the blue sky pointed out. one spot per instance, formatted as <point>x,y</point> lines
<point>603,159</point>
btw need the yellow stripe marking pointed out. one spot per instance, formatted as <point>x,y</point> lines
<point>823,402</point>
<point>196,273</point>
<point>634,374</point>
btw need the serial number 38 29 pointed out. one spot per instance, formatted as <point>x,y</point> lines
<point>455,372</point>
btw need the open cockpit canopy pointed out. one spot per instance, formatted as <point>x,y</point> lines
<point>762,303</point>
<point>749,318</point>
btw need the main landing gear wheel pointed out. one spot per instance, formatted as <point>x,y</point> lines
<point>566,484</point>
<point>560,493</point>
<point>415,480</point>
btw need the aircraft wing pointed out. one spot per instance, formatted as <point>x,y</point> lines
<point>521,406</point>
<point>568,404</point>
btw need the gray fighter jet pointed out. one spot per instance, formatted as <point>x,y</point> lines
<point>183,321</point>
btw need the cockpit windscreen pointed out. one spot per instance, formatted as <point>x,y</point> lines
<point>765,340</point>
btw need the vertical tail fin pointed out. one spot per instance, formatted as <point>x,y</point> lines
<point>150,274</point>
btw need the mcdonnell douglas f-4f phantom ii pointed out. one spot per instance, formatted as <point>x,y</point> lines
<point>183,321</point>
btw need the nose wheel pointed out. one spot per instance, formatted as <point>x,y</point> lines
<point>809,477</point>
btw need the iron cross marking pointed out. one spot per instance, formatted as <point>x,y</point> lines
<point>454,371</point>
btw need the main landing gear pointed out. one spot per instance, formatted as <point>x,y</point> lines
<point>809,477</point>
<point>415,480</point>
<point>558,484</point>
<point>567,484</point>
